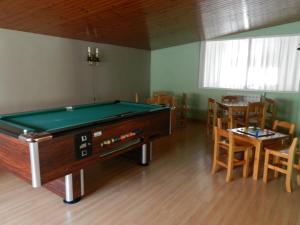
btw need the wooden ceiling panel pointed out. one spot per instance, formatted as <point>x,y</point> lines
<point>146,24</point>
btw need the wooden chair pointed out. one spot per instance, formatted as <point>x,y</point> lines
<point>167,100</point>
<point>211,116</point>
<point>256,114</point>
<point>284,127</point>
<point>271,111</point>
<point>222,111</point>
<point>282,158</point>
<point>237,117</point>
<point>182,111</point>
<point>171,102</point>
<point>160,93</point>
<point>224,140</point>
<point>153,100</point>
<point>223,123</point>
<point>231,98</point>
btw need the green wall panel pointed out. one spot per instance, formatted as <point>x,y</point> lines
<point>175,69</point>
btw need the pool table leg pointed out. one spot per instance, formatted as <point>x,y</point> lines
<point>74,187</point>
<point>146,154</point>
<point>70,187</point>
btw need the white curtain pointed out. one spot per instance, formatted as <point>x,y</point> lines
<point>271,64</point>
<point>225,62</point>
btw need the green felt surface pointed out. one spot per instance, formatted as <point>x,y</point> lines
<point>58,119</point>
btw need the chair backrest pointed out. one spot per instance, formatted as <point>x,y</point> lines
<point>153,100</point>
<point>292,151</point>
<point>184,101</point>
<point>211,104</point>
<point>221,135</point>
<point>182,111</point>
<point>231,98</point>
<point>160,93</point>
<point>231,140</point>
<point>223,123</point>
<point>222,110</point>
<point>183,108</point>
<point>285,127</point>
<point>212,110</point>
<point>257,111</point>
<point>236,113</point>
<point>271,107</point>
<point>167,100</point>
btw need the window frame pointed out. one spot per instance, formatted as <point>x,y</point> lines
<point>201,63</point>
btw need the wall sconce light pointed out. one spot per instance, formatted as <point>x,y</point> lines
<point>93,57</point>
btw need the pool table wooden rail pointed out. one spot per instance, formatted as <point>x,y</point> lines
<point>14,156</point>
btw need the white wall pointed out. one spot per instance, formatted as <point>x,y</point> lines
<point>39,71</point>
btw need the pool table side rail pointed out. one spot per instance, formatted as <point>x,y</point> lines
<point>12,129</point>
<point>34,134</point>
<point>58,109</point>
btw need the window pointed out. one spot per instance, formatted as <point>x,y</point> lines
<point>268,64</point>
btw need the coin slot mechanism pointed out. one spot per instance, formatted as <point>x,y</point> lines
<point>83,145</point>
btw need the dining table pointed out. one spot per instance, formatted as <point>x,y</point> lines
<point>259,138</point>
<point>235,104</point>
<point>232,108</point>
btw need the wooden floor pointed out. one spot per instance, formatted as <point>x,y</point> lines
<point>177,188</point>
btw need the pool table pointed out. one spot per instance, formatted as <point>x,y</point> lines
<point>52,147</point>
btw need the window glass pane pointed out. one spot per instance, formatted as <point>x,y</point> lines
<point>226,63</point>
<point>272,64</point>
